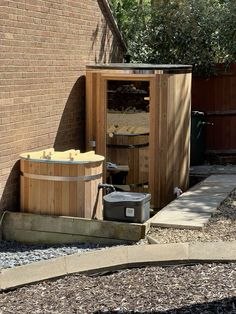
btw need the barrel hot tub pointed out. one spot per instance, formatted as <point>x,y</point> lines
<point>61,183</point>
<point>130,149</point>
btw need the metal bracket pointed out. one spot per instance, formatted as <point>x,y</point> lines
<point>92,144</point>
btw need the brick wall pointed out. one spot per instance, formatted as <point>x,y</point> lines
<point>44,46</point>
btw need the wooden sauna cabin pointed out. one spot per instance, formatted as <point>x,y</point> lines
<point>138,117</point>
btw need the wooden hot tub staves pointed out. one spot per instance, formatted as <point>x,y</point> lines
<point>61,183</point>
<point>131,149</point>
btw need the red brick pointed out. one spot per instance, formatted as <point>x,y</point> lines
<point>45,45</point>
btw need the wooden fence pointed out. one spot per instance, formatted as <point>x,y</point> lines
<point>216,96</point>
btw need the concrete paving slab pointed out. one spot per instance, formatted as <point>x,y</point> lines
<point>98,260</point>
<point>148,254</point>
<point>213,251</point>
<point>190,204</point>
<point>207,170</point>
<point>34,272</point>
<point>193,209</point>
<point>118,258</point>
<point>203,192</point>
<point>222,178</point>
<point>184,222</point>
<point>211,188</point>
<point>187,212</point>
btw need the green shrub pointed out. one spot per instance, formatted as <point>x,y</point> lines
<point>197,32</point>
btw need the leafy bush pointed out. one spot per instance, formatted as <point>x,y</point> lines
<point>227,32</point>
<point>131,16</point>
<point>197,32</point>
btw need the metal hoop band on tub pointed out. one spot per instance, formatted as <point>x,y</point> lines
<point>60,178</point>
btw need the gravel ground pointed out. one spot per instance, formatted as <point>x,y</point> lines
<point>221,227</point>
<point>15,254</point>
<point>183,289</point>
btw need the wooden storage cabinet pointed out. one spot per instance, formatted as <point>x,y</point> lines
<point>157,155</point>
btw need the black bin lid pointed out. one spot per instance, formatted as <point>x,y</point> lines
<point>121,197</point>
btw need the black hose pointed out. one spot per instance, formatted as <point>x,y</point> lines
<point>108,187</point>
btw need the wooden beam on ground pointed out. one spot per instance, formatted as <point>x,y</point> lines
<point>32,228</point>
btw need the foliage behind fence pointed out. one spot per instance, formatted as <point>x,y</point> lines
<point>197,32</point>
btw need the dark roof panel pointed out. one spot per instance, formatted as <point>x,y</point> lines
<point>138,66</point>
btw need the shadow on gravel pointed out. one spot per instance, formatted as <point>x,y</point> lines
<point>224,306</point>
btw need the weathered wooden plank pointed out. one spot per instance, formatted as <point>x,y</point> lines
<point>73,226</point>
<point>29,236</point>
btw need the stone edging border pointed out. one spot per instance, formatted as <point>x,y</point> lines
<point>116,258</point>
